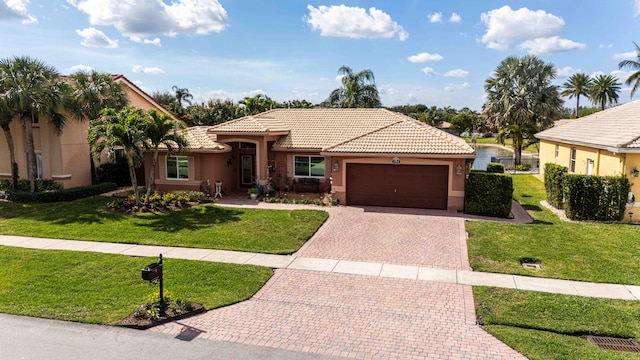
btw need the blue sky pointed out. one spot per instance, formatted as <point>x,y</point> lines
<point>432,52</point>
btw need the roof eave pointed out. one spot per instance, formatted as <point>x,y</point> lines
<point>422,155</point>
<point>250,133</point>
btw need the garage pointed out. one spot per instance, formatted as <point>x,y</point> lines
<point>414,186</point>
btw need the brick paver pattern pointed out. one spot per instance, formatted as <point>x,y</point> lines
<point>354,316</point>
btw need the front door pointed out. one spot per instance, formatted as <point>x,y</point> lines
<point>246,166</point>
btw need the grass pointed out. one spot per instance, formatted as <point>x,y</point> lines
<point>205,226</point>
<point>552,326</point>
<point>104,288</point>
<point>596,252</point>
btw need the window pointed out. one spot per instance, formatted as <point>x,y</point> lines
<point>39,172</point>
<point>572,162</point>
<point>557,150</point>
<point>309,166</point>
<point>178,167</point>
<point>34,119</point>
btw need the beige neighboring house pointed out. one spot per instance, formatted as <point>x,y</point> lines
<point>365,156</point>
<point>66,157</point>
<point>603,143</point>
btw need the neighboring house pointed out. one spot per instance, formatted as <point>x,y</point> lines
<point>66,157</point>
<point>603,143</point>
<point>365,156</point>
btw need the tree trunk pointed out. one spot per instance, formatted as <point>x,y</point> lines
<point>12,155</point>
<point>134,181</point>
<point>517,150</point>
<point>152,177</point>
<point>31,152</point>
<point>577,106</point>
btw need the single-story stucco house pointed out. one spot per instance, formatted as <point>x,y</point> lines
<point>65,158</point>
<point>365,156</point>
<point>603,143</point>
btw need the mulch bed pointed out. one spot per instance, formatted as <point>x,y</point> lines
<point>142,324</point>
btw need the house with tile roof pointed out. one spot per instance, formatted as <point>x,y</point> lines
<point>603,143</point>
<point>66,157</point>
<point>364,156</point>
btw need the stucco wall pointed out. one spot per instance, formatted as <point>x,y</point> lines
<point>605,163</point>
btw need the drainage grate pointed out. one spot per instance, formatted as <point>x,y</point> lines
<point>617,344</point>
<point>531,266</point>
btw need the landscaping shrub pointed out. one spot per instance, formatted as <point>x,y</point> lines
<point>553,183</point>
<point>60,195</point>
<point>495,167</point>
<point>193,196</point>
<point>488,194</point>
<point>519,167</point>
<point>601,198</point>
<point>117,172</point>
<point>5,185</point>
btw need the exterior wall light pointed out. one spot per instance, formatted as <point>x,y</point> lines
<point>336,166</point>
<point>459,169</point>
<point>635,172</point>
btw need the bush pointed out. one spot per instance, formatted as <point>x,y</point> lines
<point>193,196</point>
<point>494,167</point>
<point>117,172</point>
<point>60,195</point>
<point>553,184</point>
<point>600,198</point>
<point>519,167</point>
<point>488,194</point>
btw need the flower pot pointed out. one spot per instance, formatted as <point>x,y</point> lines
<point>253,196</point>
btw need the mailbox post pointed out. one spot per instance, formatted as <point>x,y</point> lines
<point>152,272</point>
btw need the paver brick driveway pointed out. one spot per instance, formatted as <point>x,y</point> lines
<point>360,316</point>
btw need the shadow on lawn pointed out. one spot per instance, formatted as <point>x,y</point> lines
<point>189,219</point>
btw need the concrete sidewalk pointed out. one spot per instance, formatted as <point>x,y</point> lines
<point>463,277</point>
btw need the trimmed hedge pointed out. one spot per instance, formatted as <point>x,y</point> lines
<point>495,167</point>
<point>25,185</point>
<point>488,194</point>
<point>60,195</point>
<point>553,183</point>
<point>600,198</point>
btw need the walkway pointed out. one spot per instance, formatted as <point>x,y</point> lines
<point>373,269</point>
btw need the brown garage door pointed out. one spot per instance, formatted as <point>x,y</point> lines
<point>416,186</point>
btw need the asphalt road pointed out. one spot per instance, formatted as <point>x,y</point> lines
<point>32,338</point>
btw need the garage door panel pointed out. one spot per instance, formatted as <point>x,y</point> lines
<point>420,186</point>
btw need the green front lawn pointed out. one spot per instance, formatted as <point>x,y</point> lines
<point>105,288</point>
<point>205,226</point>
<point>579,251</point>
<point>552,326</point>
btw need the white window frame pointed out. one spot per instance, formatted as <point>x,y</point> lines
<point>39,168</point>
<point>572,160</point>
<point>295,157</point>
<point>178,178</point>
<point>557,150</point>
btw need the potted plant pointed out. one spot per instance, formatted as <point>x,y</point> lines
<point>253,192</point>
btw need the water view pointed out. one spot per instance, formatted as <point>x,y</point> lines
<point>485,152</point>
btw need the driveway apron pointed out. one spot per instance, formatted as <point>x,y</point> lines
<point>364,317</point>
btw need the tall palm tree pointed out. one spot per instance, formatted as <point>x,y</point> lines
<point>124,129</point>
<point>162,130</point>
<point>358,90</point>
<point>521,100</point>
<point>5,121</point>
<point>182,95</point>
<point>33,89</point>
<point>633,65</point>
<point>257,104</point>
<point>577,85</point>
<point>604,90</point>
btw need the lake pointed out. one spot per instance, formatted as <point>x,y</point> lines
<point>485,152</point>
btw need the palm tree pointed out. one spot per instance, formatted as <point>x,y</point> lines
<point>633,65</point>
<point>5,120</point>
<point>162,130</point>
<point>32,89</point>
<point>125,129</point>
<point>257,104</point>
<point>182,95</point>
<point>604,90</point>
<point>578,84</point>
<point>521,100</point>
<point>357,91</point>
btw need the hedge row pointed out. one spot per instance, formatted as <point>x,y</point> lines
<point>495,167</point>
<point>600,198</point>
<point>488,194</point>
<point>60,195</point>
<point>553,183</point>
<point>25,185</point>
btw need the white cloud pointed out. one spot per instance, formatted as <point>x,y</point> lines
<point>456,87</point>
<point>221,94</point>
<point>622,75</point>
<point>140,40</point>
<point>80,68</point>
<point>353,22</point>
<point>631,55</point>
<point>455,18</point>
<point>603,46</point>
<point>429,71</point>
<point>93,37</point>
<point>567,71</point>
<point>636,8</point>
<point>147,70</point>
<point>424,57</point>
<point>339,79</point>
<point>457,73</point>
<point>152,17</point>
<point>506,26</point>
<point>550,45</point>
<point>435,18</point>
<point>596,73</point>
<point>16,10</point>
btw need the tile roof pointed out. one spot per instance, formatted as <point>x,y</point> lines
<point>348,130</point>
<point>201,140</point>
<point>616,129</point>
